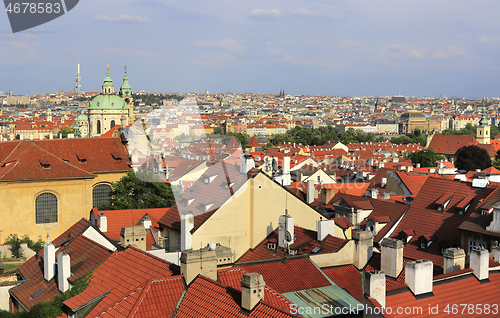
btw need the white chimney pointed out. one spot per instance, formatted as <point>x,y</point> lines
<point>375,286</point>
<point>325,227</point>
<point>386,196</point>
<point>495,223</point>
<point>187,224</point>
<point>287,179</point>
<point>310,193</point>
<point>418,276</point>
<point>146,222</point>
<point>479,262</point>
<point>285,225</point>
<point>49,260</point>
<point>454,260</point>
<point>63,271</point>
<point>103,222</point>
<point>363,248</point>
<point>252,290</point>
<point>392,257</point>
<point>51,135</point>
<point>417,166</point>
<point>247,163</point>
<point>383,182</point>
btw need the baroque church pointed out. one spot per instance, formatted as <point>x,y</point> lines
<point>109,109</point>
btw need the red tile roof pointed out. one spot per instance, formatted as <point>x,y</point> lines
<point>347,277</point>
<point>208,298</point>
<point>449,144</point>
<point>277,274</point>
<point>61,158</point>
<point>305,242</point>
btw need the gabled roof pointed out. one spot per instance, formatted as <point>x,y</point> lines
<point>119,275</point>
<point>449,144</point>
<point>347,277</point>
<point>185,166</point>
<point>61,158</point>
<point>253,143</point>
<point>305,242</point>
<point>208,298</point>
<point>85,256</point>
<point>153,298</point>
<point>477,222</point>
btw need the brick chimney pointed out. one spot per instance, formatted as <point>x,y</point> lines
<point>418,276</point>
<point>479,263</point>
<point>202,261</point>
<point>392,257</point>
<point>63,271</point>
<point>363,248</point>
<point>252,290</point>
<point>454,259</point>
<point>375,286</point>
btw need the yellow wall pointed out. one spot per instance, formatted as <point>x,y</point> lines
<point>251,214</point>
<point>74,201</point>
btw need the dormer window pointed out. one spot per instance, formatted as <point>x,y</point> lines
<point>116,156</point>
<point>81,157</point>
<point>45,163</point>
<point>443,202</point>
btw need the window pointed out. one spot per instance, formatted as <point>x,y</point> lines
<point>100,195</point>
<point>98,126</point>
<point>112,124</point>
<point>46,208</point>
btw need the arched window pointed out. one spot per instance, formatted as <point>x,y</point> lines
<point>46,208</point>
<point>98,126</point>
<point>112,124</point>
<point>100,195</point>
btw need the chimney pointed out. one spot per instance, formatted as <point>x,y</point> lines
<point>146,222</point>
<point>375,286</point>
<point>363,248</point>
<point>383,182</point>
<point>187,224</point>
<point>479,263</point>
<point>63,271</point>
<point>252,290</point>
<point>454,259</point>
<point>496,254</point>
<point>418,277</point>
<point>325,227</point>
<point>326,195</point>
<point>310,191</point>
<point>373,193</point>
<point>417,166</point>
<point>495,223</point>
<point>287,179</point>
<point>103,222</point>
<point>392,257</point>
<point>199,262</point>
<point>286,224</point>
<point>133,235</point>
<point>49,260</point>
<point>51,135</point>
<point>247,163</point>
<point>386,196</point>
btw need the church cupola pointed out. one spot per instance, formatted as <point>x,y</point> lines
<point>483,130</point>
<point>107,86</point>
<point>125,89</point>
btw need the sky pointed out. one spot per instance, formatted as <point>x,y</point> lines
<point>314,47</point>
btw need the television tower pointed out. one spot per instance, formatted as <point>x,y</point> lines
<point>78,86</point>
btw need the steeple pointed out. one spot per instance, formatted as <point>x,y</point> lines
<point>125,89</point>
<point>107,86</point>
<point>483,130</point>
<point>484,121</point>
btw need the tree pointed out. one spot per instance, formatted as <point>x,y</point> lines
<point>426,158</point>
<point>65,131</point>
<point>140,191</point>
<point>14,240</point>
<point>218,131</point>
<point>496,161</point>
<point>243,139</point>
<point>15,246</point>
<point>470,158</point>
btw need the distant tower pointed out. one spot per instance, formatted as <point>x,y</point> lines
<point>78,86</point>
<point>126,95</point>
<point>483,130</point>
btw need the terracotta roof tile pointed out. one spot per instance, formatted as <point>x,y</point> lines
<point>347,277</point>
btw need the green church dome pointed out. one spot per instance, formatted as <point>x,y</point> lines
<point>107,102</point>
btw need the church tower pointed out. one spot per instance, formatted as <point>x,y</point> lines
<point>126,95</point>
<point>483,130</point>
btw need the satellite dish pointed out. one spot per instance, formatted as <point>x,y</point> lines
<point>257,158</point>
<point>288,237</point>
<point>266,159</point>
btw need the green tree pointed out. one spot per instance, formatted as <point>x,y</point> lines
<point>15,246</point>
<point>35,246</point>
<point>218,131</point>
<point>65,131</point>
<point>243,138</point>
<point>496,161</point>
<point>470,158</point>
<point>426,158</point>
<point>140,191</point>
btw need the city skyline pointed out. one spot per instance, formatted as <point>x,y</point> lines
<point>315,48</point>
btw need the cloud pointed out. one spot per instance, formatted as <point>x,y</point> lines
<point>231,45</point>
<point>486,39</point>
<point>347,44</point>
<point>129,52</point>
<point>17,51</point>
<point>449,53</point>
<point>304,12</point>
<point>123,18</point>
<point>265,14</point>
<point>397,51</point>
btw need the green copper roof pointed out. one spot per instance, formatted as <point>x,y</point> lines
<point>82,117</point>
<point>125,89</point>
<point>107,102</point>
<point>108,81</point>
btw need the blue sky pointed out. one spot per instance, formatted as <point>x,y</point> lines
<point>418,48</point>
